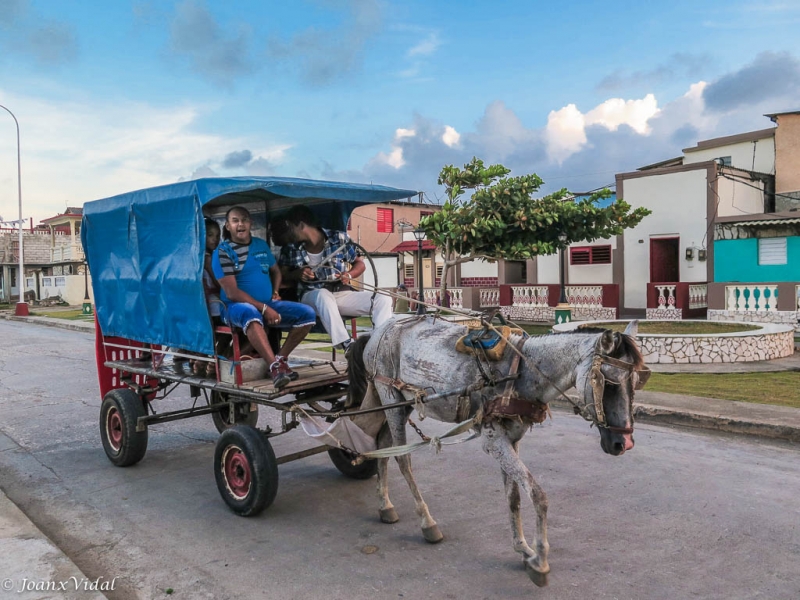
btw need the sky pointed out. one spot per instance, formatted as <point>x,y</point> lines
<point>114,96</point>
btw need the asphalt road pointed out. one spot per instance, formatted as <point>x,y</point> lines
<point>682,515</point>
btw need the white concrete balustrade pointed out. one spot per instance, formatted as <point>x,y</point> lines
<point>590,296</point>
<point>666,297</point>
<point>698,296</point>
<point>751,298</point>
<point>456,296</point>
<point>489,297</point>
<point>534,296</point>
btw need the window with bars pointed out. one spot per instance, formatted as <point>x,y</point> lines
<point>439,271</point>
<point>61,281</point>
<point>408,271</point>
<point>385,220</point>
<point>590,255</point>
<point>425,213</point>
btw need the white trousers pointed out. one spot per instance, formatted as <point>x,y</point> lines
<point>332,306</point>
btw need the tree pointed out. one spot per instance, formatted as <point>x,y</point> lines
<point>502,219</point>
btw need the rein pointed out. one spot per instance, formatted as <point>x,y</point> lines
<point>597,381</point>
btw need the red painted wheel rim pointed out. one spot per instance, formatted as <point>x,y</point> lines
<point>236,469</point>
<point>114,429</point>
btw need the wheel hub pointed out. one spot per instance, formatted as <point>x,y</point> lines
<point>114,429</point>
<point>236,469</point>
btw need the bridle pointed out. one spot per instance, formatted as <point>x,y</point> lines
<point>597,381</point>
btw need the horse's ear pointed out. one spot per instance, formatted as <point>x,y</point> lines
<point>632,329</point>
<point>607,342</point>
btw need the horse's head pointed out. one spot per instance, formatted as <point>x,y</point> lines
<point>607,380</point>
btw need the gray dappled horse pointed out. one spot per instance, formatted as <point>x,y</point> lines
<point>604,366</point>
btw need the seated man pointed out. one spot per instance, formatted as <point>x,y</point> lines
<point>324,262</point>
<point>249,277</point>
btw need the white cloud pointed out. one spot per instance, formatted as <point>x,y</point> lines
<point>73,151</point>
<point>565,133</point>
<point>450,136</point>
<point>394,158</point>
<point>615,112</point>
<point>426,47</point>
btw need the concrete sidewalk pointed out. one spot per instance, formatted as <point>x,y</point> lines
<point>32,567</point>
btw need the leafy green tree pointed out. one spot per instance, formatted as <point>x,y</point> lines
<point>502,219</point>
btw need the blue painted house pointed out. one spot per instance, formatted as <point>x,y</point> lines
<point>757,267</point>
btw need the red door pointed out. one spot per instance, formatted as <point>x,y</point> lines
<point>664,263</point>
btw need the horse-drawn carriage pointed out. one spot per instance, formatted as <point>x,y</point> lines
<point>145,250</point>
<point>146,253</point>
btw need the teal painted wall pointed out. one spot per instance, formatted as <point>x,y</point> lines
<point>737,260</point>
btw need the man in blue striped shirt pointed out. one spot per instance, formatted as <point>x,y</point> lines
<point>250,280</point>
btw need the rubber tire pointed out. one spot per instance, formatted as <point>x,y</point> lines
<point>133,444</point>
<point>242,413</point>
<point>341,460</point>
<point>257,451</point>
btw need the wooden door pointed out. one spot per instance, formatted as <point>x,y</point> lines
<point>427,272</point>
<point>665,260</point>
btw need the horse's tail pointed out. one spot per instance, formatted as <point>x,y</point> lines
<point>357,371</point>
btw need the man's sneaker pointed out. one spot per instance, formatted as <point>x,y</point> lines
<point>347,347</point>
<point>280,379</point>
<point>284,365</point>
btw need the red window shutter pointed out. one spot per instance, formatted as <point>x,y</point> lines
<point>350,224</point>
<point>590,255</point>
<point>385,220</point>
<point>580,256</point>
<point>601,255</point>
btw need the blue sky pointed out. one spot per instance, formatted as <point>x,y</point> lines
<point>116,96</point>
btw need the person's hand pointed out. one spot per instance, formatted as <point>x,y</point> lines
<point>271,317</point>
<point>276,296</point>
<point>307,274</point>
<point>345,278</point>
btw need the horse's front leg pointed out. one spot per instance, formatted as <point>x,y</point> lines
<point>396,419</point>
<point>430,530</point>
<point>387,512</point>
<point>496,443</point>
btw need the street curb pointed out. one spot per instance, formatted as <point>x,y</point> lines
<point>52,322</point>
<point>662,415</point>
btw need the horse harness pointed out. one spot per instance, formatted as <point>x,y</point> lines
<point>597,381</point>
<point>505,405</point>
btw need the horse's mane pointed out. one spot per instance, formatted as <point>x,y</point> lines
<point>627,343</point>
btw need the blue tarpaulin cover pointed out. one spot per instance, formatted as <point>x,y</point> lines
<point>145,249</point>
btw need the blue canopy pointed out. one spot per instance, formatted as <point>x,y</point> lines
<point>145,249</point>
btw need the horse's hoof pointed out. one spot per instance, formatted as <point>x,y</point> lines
<point>389,515</point>
<point>432,534</point>
<point>538,577</point>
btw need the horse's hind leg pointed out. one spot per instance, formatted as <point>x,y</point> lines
<point>513,497</point>
<point>497,444</point>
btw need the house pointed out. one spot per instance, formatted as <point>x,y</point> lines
<point>385,231</point>
<point>53,260</point>
<point>719,210</point>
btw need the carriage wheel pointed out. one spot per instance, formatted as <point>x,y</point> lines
<point>119,413</point>
<point>343,461</point>
<point>241,413</point>
<point>246,470</point>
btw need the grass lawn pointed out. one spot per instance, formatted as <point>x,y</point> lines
<point>782,389</point>
<point>70,315</point>
<point>681,327</point>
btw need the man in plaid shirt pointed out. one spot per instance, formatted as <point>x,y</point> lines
<point>323,263</point>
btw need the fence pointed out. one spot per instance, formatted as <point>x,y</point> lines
<point>675,301</point>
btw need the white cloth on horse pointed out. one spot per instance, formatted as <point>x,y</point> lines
<point>332,306</point>
<point>342,430</point>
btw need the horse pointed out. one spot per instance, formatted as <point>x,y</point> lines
<point>406,359</point>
